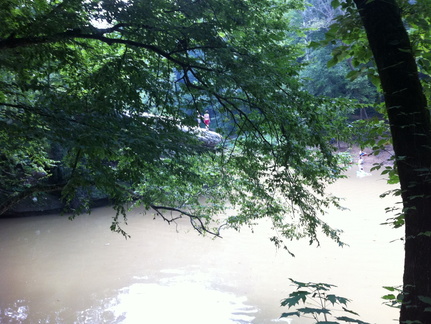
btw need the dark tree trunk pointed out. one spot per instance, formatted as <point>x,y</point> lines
<point>411,133</point>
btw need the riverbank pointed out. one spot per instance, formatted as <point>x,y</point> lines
<point>46,205</point>
<point>49,204</point>
<point>383,157</point>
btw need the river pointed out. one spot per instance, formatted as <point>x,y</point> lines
<point>54,270</point>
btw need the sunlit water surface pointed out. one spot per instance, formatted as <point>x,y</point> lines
<point>58,271</point>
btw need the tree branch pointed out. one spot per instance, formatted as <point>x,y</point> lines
<point>195,221</point>
<point>98,34</point>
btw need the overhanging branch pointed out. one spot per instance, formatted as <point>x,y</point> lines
<point>98,35</point>
<point>195,221</point>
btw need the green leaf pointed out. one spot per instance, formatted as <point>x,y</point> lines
<point>295,298</point>
<point>349,311</point>
<point>425,299</point>
<point>352,75</point>
<point>290,314</point>
<point>335,3</point>
<point>311,310</point>
<point>428,234</point>
<point>337,299</point>
<point>389,297</point>
<point>351,320</point>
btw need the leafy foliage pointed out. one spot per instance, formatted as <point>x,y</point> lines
<point>318,297</point>
<point>352,46</point>
<point>100,98</point>
<point>394,298</point>
<point>406,93</point>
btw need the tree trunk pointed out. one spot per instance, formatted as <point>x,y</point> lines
<point>411,133</point>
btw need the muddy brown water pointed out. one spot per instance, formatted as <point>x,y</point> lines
<point>54,270</point>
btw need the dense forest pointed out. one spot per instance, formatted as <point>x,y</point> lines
<point>99,100</point>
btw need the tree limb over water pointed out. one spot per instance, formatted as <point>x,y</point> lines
<point>67,86</point>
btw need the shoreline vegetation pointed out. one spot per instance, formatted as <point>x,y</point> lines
<point>383,157</point>
<point>50,204</point>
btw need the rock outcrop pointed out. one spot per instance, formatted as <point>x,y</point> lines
<point>207,137</point>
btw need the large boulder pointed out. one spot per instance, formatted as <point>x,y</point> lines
<point>207,137</point>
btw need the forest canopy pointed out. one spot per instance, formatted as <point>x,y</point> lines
<point>95,97</point>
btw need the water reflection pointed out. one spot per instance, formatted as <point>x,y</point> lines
<point>170,301</point>
<point>16,313</point>
<point>53,270</point>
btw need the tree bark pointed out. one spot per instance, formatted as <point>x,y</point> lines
<point>410,127</point>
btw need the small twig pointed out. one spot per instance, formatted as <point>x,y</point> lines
<point>195,221</point>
